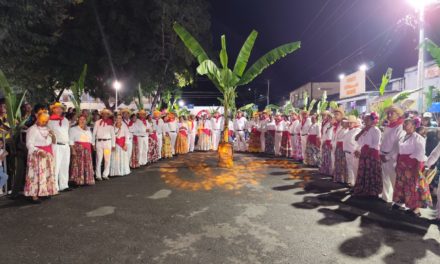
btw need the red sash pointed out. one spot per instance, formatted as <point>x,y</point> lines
<point>85,145</point>
<point>135,139</point>
<point>328,143</point>
<point>340,144</point>
<point>120,141</point>
<point>48,148</point>
<point>153,136</point>
<point>206,131</point>
<point>256,132</point>
<point>406,159</point>
<point>312,139</point>
<point>230,133</point>
<point>367,151</point>
<point>183,133</point>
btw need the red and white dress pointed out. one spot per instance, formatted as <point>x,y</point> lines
<point>81,164</point>
<point>40,177</point>
<point>120,159</point>
<point>326,166</point>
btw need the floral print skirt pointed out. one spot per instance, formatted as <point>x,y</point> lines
<point>166,147</point>
<point>340,171</point>
<point>269,138</point>
<point>81,165</point>
<point>410,187</point>
<point>40,177</point>
<point>326,159</point>
<point>369,174</point>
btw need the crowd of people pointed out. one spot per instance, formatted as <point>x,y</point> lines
<point>386,161</point>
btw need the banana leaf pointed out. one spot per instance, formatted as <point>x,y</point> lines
<point>333,105</point>
<point>245,53</point>
<point>191,43</point>
<point>77,89</point>
<point>433,50</point>
<point>268,59</point>
<point>305,100</point>
<point>288,108</point>
<point>312,104</point>
<point>385,80</point>
<point>210,69</point>
<point>224,53</point>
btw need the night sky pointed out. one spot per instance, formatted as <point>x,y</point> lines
<point>336,35</point>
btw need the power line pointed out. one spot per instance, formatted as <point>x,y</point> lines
<point>314,19</point>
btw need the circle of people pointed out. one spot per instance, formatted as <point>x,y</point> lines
<point>385,163</point>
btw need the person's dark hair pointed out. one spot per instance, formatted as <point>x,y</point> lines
<point>132,115</point>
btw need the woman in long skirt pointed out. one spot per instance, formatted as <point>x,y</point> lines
<point>182,137</point>
<point>369,175</point>
<point>204,131</point>
<point>269,137</point>
<point>411,188</point>
<point>312,157</point>
<point>326,166</point>
<point>119,161</point>
<point>340,168</point>
<point>167,151</point>
<point>297,146</point>
<point>255,135</point>
<point>40,176</point>
<point>153,143</point>
<point>134,160</point>
<point>81,163</point>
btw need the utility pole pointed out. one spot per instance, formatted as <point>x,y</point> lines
<point>421,61</point>
<point>268,90</point>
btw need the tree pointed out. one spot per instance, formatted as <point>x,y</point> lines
<point>129,40</point>
<point>28,31</point>
<point>225,79</point>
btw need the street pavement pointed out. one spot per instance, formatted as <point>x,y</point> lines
<point>187,210</point>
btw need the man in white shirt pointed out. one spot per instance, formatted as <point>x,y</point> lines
<point>126,120</point>
<point>389,149</point>
<point>104,137</point>
<point>61,149</point>
<point>279,123</point>
<point>304,130</point>
<point>239,127</point>
<point>217,125</point>
<point>350,146</point>
<point>158,125</point>
<point>142,129</point>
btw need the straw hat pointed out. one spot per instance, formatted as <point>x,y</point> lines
<point>340,109</point>
<point>394,109</point>
<point>157,114</point>
<point>142,112</point>
<point>57,104</point>
<point>106,111</point>
<point>125,110</point>
<point>352,119</point>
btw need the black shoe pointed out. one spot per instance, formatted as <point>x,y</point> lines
<point>412,213</point>
<point>395,207</point>
<point>67,190</point>
<point>38,201</point>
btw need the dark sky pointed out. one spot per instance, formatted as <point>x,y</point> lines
<point>337,36</point>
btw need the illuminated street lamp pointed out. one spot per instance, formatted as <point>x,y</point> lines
<point>181,103</point>
<point>363,67</point>
<point>341,76</point>
<point>116,85</point>
<point>420,6</point>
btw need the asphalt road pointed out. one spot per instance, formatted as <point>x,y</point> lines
<point>187,210</point>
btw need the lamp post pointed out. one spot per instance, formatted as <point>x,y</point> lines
<point>117,85</point>
<point>421,6</point>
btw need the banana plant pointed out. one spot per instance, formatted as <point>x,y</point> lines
<point>385,80</point>
<point>77,89</point>
<point>16,122</point>
<point>288,108</point>
<point>225,79</point>
<point>249,109</point>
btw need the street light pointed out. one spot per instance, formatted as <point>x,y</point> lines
<point>181,103</point>
<point>117,85</point>
<point>363,67</point>
<point>341,76</point>
<point>420,6</point>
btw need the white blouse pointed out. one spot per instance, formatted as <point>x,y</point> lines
<point>37,136</point>
<point>305,128</point>
<point>340,133</point>
<point>371,138</point>
<point>140,129</point>
<point>315,129</point>
<point>123,132</point>
<point>327,131</point>
<point>350,144</point>
<point>77,134</point>
<point>271,125</point>
<point>293,126</point>
<point>413,145</point>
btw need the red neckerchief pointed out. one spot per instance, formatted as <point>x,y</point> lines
<point>57,118</point>
<point>217,118</point>
<point>324,123</point>
<point>106,121</point>
<point>157,121</point>
<point>130,123</point>
<point>396,123</point>
<point>127,123</point>
<point>144,120</point>
<point>336,126</point>
<point>192,124</point>
<point>277,122</point>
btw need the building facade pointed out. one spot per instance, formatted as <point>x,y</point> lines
<point>314,90</point>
